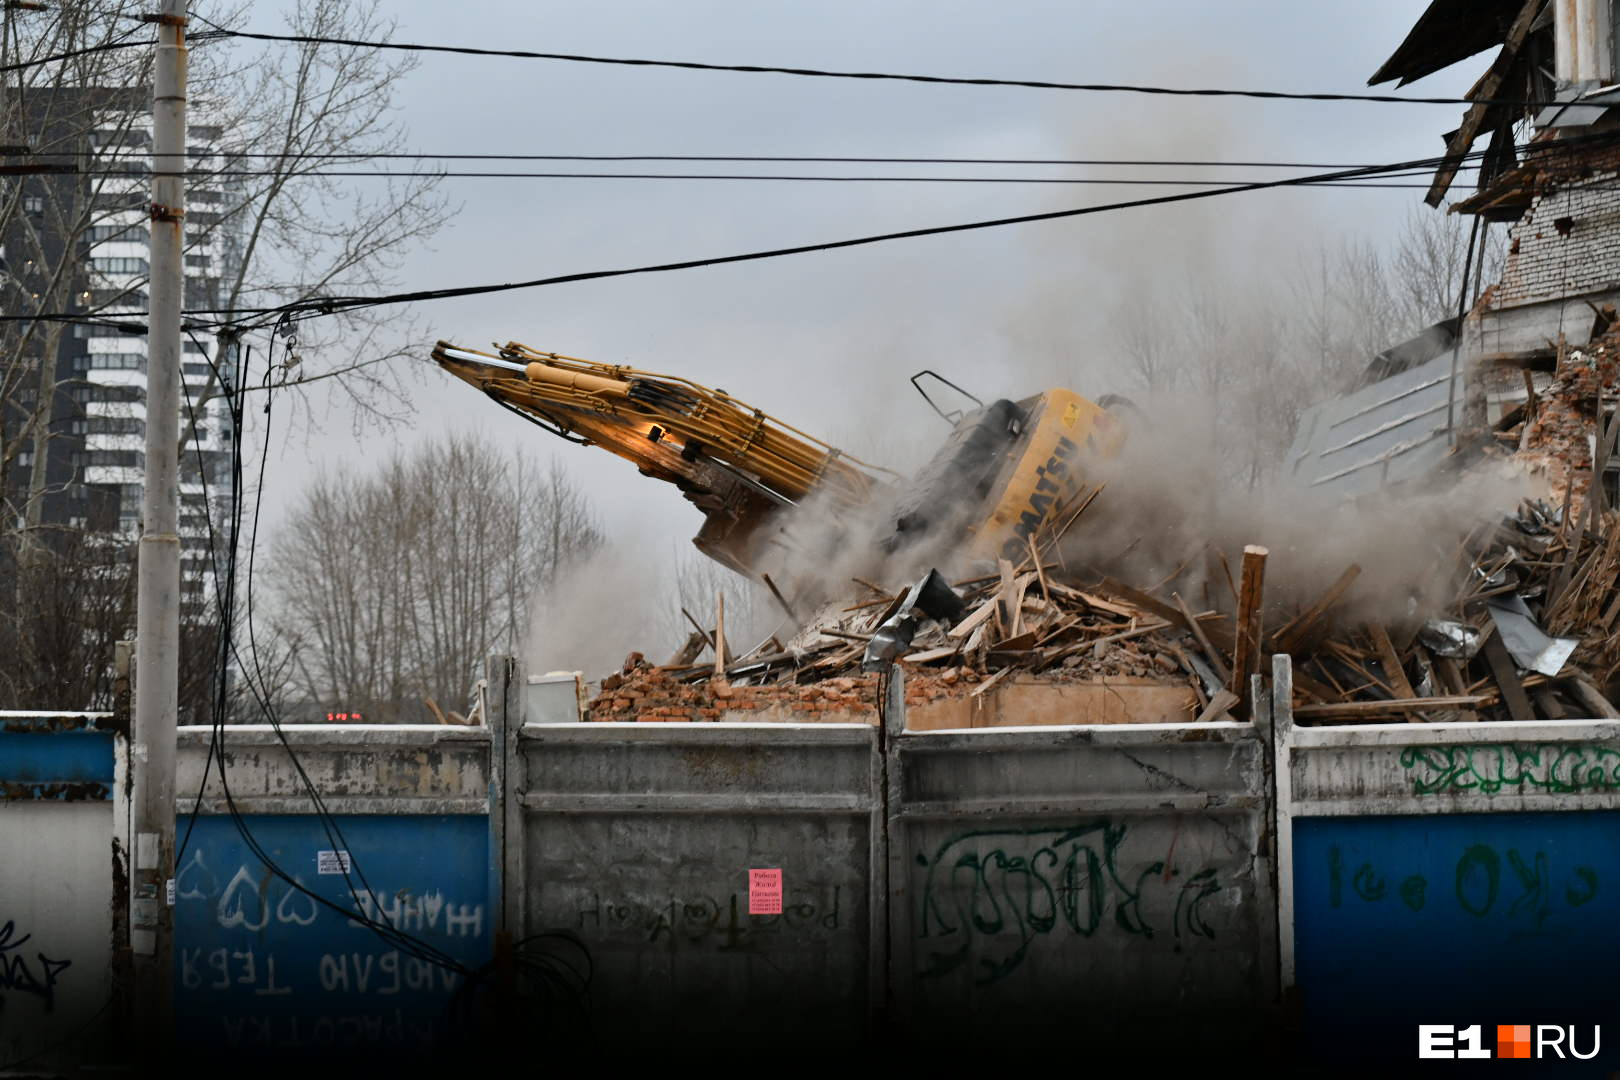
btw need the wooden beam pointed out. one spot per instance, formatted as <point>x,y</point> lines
<point>721,653</point>
<point>1507,678</point>
<point>1394,670</point>
<point>1216,661</point>
<point>1488,86</point>
<point>1246,648</point>
<point>1168,612</point>
<point>1218,705</point>
<point>1352,709</point>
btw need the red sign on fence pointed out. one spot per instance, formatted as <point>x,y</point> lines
<point>765,892</point>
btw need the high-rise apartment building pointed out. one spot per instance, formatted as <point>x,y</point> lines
<point>84,237</point>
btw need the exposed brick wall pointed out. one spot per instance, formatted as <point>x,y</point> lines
<point>1544,264</point>
<point>1557,446</point>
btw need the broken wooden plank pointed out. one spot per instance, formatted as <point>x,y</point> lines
<point>707,636</point>
<point>973,621</point>
<point>1346,710</point>
<point>1291,636</point>
<point>1214,630</point>
<point>1216,660</point>
<point>721,653</point>
<point>1507,678</point>
<point>1218,705</point>
<point>780,599</point>
<point>991,681</point>
<point>1246,647</point>
<point>696,642</point>
<point>1390,660</point>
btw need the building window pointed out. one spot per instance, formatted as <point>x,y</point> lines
<point>117,361</point>
<point>197,262</point>
<point>115,265</point>
<point>111,425</point>
<point>129,459</point>
<point>102,392</point>
<point>33,204</point>
<point>96,330</point>
<point>100,234</point>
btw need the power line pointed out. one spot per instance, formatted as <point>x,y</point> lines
<point>332,305</point>
<point>821,73</point>
<point>762,177</point>
<point>311,307</point>
<point>119,154</point>
<point>74,53</point>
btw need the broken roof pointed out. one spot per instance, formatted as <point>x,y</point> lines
<point>1448,32</point>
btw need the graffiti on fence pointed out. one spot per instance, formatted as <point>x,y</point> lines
<point>1525,768</point>
<point>1483,880</point>
<point>988,896</point>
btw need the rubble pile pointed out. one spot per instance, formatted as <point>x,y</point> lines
<point>1496,653</point>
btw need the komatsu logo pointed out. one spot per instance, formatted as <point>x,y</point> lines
<point>1048,485</point>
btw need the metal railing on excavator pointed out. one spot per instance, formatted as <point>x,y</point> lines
<point>577,396</point>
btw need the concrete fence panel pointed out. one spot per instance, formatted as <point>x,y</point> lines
<point>1092,876</point>
<point>639,838</point>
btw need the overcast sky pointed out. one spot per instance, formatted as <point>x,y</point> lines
<point>826,340</point>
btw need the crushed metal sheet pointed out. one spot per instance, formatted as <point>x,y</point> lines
<point>1450,639</point>
<point>1529,646</point>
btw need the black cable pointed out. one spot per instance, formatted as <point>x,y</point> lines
<point>331,305</point>
<point>71,54</point>
<point>117,155</point>
<point>392,935</point>
<point>820,73</point>
<point>462,175</point>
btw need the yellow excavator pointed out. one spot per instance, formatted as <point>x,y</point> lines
<point>773,496</point>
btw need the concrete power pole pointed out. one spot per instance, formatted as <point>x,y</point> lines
<point>157,598</point>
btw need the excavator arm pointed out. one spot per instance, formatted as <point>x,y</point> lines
<point>740,466</point>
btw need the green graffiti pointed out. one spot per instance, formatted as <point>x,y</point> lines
<point>1479,883</point>
<point>1479,864</point>
<point>1488,768</point>
<point>988,896</point>
<point>1588,878</point>
<point>1368,885</point>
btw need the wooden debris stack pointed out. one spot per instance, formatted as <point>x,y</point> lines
<point>1059,624</point>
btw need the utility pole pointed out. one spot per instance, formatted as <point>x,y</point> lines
<point>157,597</point>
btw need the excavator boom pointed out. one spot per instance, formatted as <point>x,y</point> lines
<point>736,463</point>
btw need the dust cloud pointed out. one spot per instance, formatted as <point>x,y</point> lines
<point>1174,503</point>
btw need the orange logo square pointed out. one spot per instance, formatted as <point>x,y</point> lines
<point>1513,1040</point>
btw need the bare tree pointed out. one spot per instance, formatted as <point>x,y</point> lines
<point>272,228</point>
<point>395,587</point>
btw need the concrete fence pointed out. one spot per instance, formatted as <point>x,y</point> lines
<point>939,887</point>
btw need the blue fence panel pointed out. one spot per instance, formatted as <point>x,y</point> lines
<point>261,966</point>
<point>56,763</point>
<point>1461,919</point>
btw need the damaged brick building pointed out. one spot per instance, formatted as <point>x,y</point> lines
<point>1538,348</point>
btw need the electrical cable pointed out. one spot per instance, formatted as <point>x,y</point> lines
<point>313,307</point>
<point>115,155</point>
<point>72,54</point>
<point>464,175</point>
<point>822,73</point>
<point>392,935</point>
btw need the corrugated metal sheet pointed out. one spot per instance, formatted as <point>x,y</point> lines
<point>1389,431</point>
